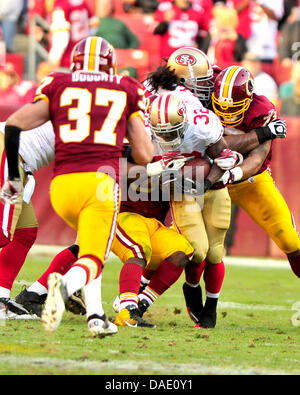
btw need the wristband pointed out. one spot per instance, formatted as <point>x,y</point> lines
<point>264,134</point>
<point>207,184</point>
<point>127,153</point>
<point>12,141</point>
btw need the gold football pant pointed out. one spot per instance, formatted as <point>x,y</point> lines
<point>265,205</point>
<point>18,215</point>
<point>204,222</point>
<point>89,203</point>
<point>148,239</point>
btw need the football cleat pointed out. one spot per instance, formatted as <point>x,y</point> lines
<point>193,301</point>
<point>130,316</point>
<point>116,304</point>
<point>3,303</point>
<point>75,304</point>
<point>31,301</point>
<point>101,326</point>
<point>208,316</point>
<point>55,302</point>
<point>143,306</point>
<point>11,310</point>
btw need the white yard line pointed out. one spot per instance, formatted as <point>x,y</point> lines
<point>135,366</point>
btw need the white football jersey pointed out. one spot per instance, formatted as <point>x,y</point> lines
<point>36,145</point>
<point>204,129</point>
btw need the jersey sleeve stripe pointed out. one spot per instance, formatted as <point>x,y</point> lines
<point>39,97</point>
<point>137,114</point>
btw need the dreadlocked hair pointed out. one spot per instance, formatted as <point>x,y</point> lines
<point>163,77</point>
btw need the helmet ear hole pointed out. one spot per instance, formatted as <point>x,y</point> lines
<point>182,80</point>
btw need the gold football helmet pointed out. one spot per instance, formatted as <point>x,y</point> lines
<point>168,121</point>
<point>233,94</point>
<point>194,69</point>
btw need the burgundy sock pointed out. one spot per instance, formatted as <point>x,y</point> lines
<point>295,264</point>
<point>165,276</point>
<point>61,263</point>
<point>130,278</point>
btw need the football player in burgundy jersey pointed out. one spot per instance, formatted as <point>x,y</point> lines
<point>251,185</point>
<point>92,110</point>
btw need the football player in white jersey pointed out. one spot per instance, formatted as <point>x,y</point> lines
<point>19,228</point>
<point>189,72</point>
<point>189,130</point>
<point>18,221</point>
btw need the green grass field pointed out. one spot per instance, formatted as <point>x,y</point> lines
<point>254,332</point>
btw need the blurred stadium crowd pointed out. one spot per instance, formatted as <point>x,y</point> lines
<point>37,37</point>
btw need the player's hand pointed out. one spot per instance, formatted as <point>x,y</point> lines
<point>274,130</point>
<point>157,168</point>
<point>228,159</point>
<point>277,128</point>
<point>232,175</point>
<point>10,192</point>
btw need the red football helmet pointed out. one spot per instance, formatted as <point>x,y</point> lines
<point>94,54</point>
<point>232,96</point>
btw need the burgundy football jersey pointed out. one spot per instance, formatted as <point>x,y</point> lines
<point>89,112</point>
<point>260,113</point>
<point>143,203</point>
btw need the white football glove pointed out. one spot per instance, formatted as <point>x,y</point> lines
<point>232,175</point>
<point>11,190</point>
<point>157,168</point>
<point>228,159</point>
<point>277,128</point>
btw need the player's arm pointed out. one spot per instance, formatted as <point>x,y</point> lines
<point>250,165</point>
<point>255,160</point>
<point>27,117</point>
<point>247,142</point>
<point>60,30</point>
<point>142,149</point>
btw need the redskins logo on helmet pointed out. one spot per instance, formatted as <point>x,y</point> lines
<point>94,54</point>
<point>194,70</point>
<point>168,121</point>
<point>232,95</point>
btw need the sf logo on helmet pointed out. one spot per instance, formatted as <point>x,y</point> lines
<point>185,59</point>
<point>181,111</point>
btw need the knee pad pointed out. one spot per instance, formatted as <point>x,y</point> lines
<point>216,253</point>
<point>201,248</point>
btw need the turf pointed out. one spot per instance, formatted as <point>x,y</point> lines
<point>254,332</point>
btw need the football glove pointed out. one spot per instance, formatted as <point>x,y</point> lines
<point>228,159</point>
<point>232,175</point>
<point>157,168</point>
<point>11,190</point>
<point>275,129</point>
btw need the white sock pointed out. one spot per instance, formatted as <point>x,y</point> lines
<point>93,297</point>
<point>4,293</point>
<point>192,285</point>
<point>211,295</point>
<point>74,279</point>
<point>37,288</point>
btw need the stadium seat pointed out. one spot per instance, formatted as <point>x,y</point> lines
<point>134,58</point>
<point>142,26</point>
<point>17,60</point>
